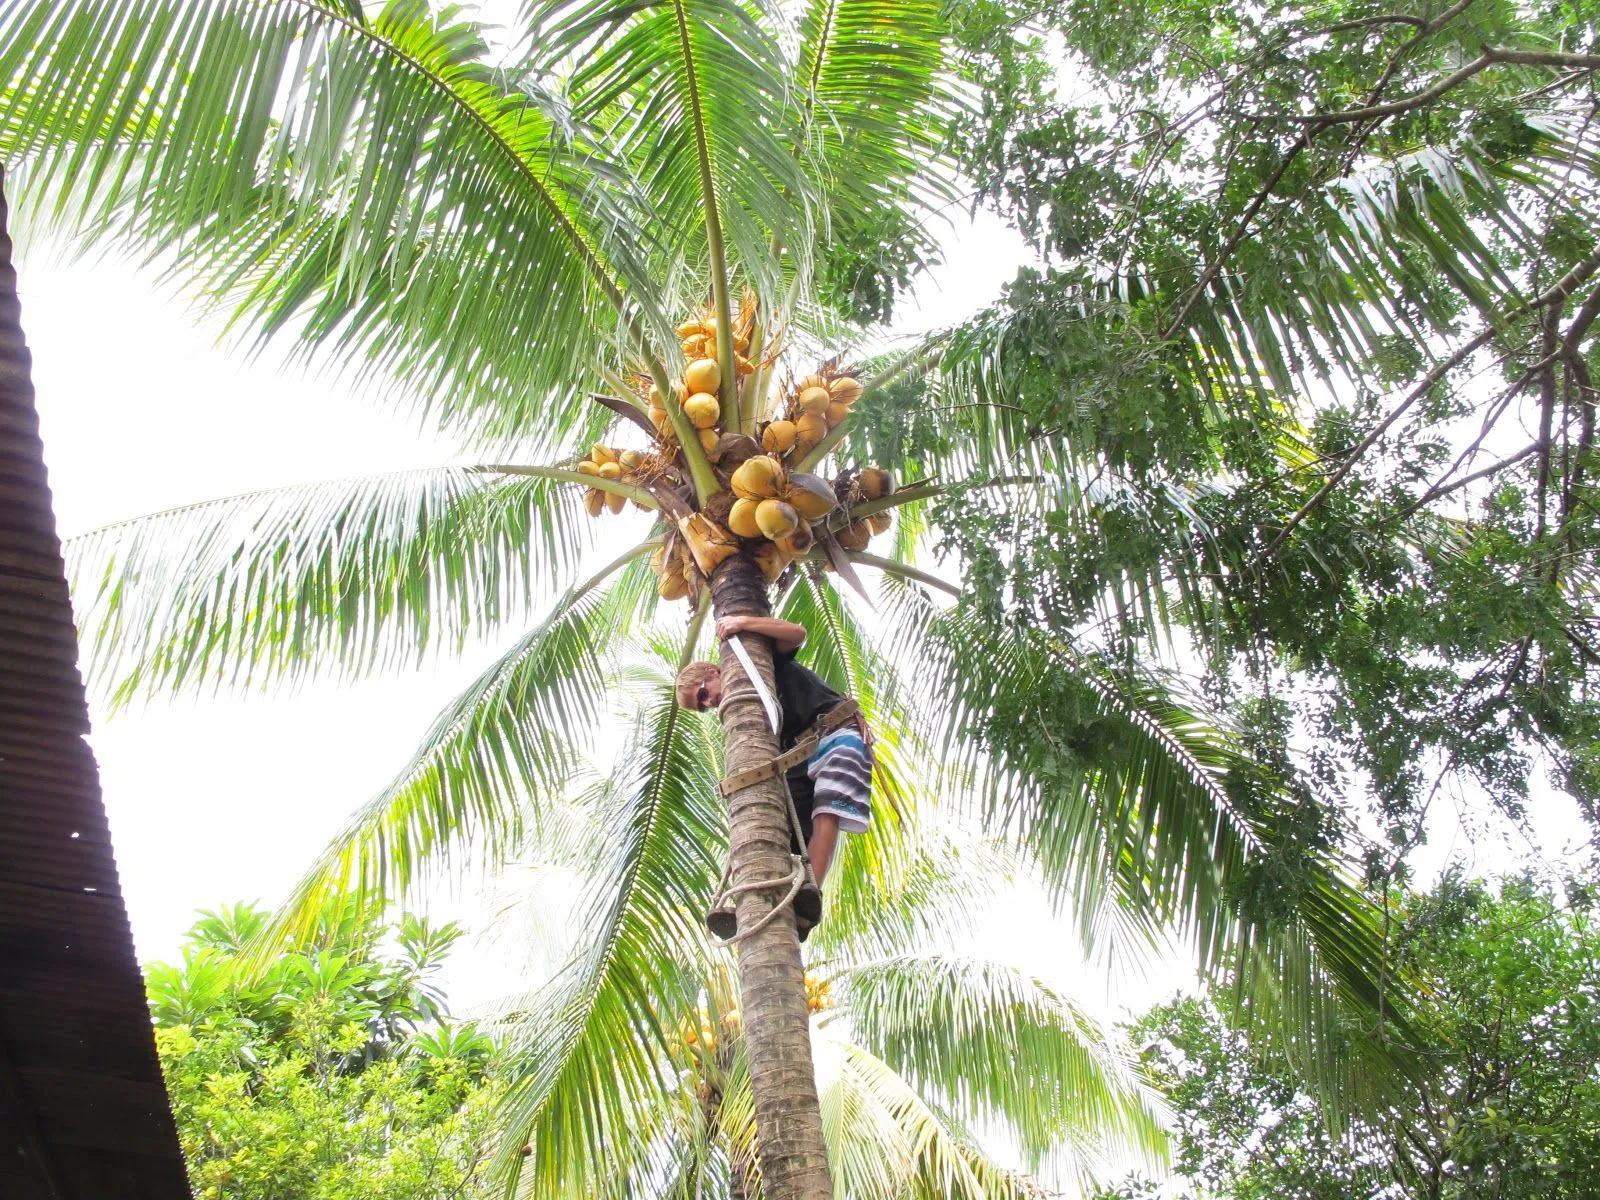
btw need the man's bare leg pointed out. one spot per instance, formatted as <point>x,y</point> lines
<point>824,841</point>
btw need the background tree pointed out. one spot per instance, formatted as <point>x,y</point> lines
<point>337,1074</point>
<point>1316,337</point>
<point>500,231</point>
<point>1508,1105</point>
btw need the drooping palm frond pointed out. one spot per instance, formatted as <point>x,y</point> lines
<point>876,97</point>
<point>884,1139</point>
<point>690,93</point>
<point>1125,796</point>
<point>340,578</point>
<point>588,1075</point>
<point>503,749</point>
<point>374,187</point>
<point>989,1044</point>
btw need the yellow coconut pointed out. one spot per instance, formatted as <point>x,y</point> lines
<point>610,470</point>
<point>811,496</point>
<point>856,536</point>
<point>777,519</point>
<point>673,586</point>
<point>815,400</point>
<point>759,477</point>
<point>603,454</point>
<point>743,366</point>
<point>880,522</point>
<point>594,500</point>
<point>630,460</point>
<point>703,410</point>
<point>689,329</point>
<point>836,413</point>
<point>845,390</point>
<point>778,437</point>
<point>798,542</point>
<point>702,375</point>
<point>811,428</point>
<point>811,381</point>
<point>742,518</point>
<point>586,467</point>
<point>708,439</point>
<point>616,502</point>
<point>876,483</point>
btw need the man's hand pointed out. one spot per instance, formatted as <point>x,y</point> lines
<point>785,635</point>
<point>728,626</point>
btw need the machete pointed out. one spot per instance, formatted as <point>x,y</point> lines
<point>754,676</point>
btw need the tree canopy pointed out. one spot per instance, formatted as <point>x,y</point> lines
<point>1508,1106</point>
<point>1313,351</point>
<point>339,1073</point>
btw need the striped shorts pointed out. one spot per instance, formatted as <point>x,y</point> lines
<point>841,772</point>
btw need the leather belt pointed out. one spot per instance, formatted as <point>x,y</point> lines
<point>803,748</point>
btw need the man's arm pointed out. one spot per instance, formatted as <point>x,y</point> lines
<point>786,635</point>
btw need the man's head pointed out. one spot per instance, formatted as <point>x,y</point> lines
<point>700,686</point>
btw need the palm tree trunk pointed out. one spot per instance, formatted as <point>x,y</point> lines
<point>777,1027</point>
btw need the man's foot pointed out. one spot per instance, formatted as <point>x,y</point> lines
<point>807,909</point>
<point>722,922</point>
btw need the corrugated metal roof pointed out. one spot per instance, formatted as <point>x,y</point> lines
<point>83,1113</point>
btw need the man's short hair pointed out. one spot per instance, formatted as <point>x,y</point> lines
<point>690,679</point>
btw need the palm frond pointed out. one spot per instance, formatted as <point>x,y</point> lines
<point>588,1056</point>
<point>503,749</point>
<point>1125,796</point>
<point>340,578</point>
<point>652,77</point>
<point>988,1043</point>
<point>374,188</point>
<point>885,1140</point>
<point>876,101</point>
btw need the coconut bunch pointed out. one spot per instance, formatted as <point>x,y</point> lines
<point>677,576</point>
<point>703,375</point>
<point>776,508</point>
<point>816,405</point>
<point>860,487</point>
<point>626,466</point>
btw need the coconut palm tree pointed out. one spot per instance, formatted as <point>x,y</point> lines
<point>645,217</point>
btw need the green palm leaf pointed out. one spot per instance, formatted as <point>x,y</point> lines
<point>876,99</point>
<point>345,577</point>
<point>502,752</point>
<point>587,1054</point>
<point>1126,797</point>
<point>374,187</point>
<point>681,89</point>
<point>885,1140</point>
<point>988,1043</point>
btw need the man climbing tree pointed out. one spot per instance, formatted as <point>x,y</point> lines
<point>827,758</point>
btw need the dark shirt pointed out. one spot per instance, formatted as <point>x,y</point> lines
<point>803,697</point>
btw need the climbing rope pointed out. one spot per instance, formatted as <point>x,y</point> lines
<point>800,873</point>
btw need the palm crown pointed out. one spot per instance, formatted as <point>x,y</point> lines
<point>499,233</point>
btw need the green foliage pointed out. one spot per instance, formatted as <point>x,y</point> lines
<point>337,1074</point>
<point>1278,374</point>
<point>1507,1104</point>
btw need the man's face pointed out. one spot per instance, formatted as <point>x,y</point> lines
<point>709,693</point>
